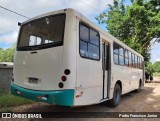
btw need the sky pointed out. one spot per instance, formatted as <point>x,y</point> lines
<point>90,8</point>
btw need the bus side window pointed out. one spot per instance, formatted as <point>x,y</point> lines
<point>136,61</point>
<point>118,54</point>
<point>126,58</point>
<point>130,59</point>
<point>121,55</point>
<point>141,63</point>
<point>115,53</point>
<point>89,43</point>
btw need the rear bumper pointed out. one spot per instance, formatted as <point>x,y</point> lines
<point>61,97</point>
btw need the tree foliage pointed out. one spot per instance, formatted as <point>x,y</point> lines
<point>156,66</point>
<point>7,55</point>
<point>136,25</point>
<point>152,68</point>
<point>149,68</point>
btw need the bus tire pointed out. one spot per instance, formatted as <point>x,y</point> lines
<point>116,96</point>
<point>140,85</point>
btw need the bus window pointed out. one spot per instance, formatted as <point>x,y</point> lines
<point>121,56</point>
<point>93,51</point>
<point>130,59</point>
<point>118,56</point>
<point>133,60</point>
<point>48,41</point>
<point>141,63</point>
<point>136,62</point>
<point>83,48</point>
<point>89,43</point>
<point>94,37</point>
<point>115,51</point>
<point>34,40</point>
<point>126,58</point>
<point>84,33</point>
<point>36,32</point>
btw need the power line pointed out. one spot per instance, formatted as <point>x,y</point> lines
<point>14,12</point>
<point>94,7</point>
<point>103,3</point>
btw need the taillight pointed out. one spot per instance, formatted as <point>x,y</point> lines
<point>67,71</point>
<point>63,78</point>
<point>60,85</point>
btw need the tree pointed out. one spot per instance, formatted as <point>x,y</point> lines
<point>149,68</point>
<point>136,25</point>
<point>7,55</point>
<point>156,66</point>
<point>1,52</point>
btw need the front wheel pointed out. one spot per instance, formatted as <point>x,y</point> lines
<point>116,96</point>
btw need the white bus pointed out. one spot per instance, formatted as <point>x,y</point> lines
<point>64,59</point>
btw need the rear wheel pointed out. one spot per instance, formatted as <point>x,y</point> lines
<point>140,85</point>
<point>116,96</point>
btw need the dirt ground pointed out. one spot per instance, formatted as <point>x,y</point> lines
<point>147,100</point>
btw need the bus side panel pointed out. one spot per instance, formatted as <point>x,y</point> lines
<point>138,74</point>
<point>128,76</point>
<point>89,79</point>
<point>69,52</point>
<point>87,96</point>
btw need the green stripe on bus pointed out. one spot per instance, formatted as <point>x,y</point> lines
<point>60,97</point>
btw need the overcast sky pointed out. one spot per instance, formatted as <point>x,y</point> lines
<point>30,8</point>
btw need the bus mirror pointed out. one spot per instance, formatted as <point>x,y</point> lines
<point>19,24</point>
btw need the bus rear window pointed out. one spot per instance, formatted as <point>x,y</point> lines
<point>42,33</point>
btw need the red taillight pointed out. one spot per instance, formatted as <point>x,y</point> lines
<point>39,97</point>
<point>63,78</point>
<point>77,96</point>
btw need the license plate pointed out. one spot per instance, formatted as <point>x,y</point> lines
<point>33,80</point>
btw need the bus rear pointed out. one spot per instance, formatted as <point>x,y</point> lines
<point>40,70</point>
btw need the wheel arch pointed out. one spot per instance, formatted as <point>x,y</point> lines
<point>120,84</point>
<point>140,82</point>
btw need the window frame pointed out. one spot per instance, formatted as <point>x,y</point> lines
<point>89,28</point>
<point>42,46</point>
<point>119,54</point>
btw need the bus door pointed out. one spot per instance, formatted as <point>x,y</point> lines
<point>106,67</point>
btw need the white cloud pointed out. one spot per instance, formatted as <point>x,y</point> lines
<point>10,37</point>
<point>158,59</point>
<point>7,24</point>
<point>155,52</point>
<point>31,8</point>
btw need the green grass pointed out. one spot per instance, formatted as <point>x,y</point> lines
<point>8,100</point>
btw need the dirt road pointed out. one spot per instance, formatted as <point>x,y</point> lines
<point>147,100</point>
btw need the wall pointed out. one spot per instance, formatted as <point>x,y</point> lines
<point>6,70</point>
